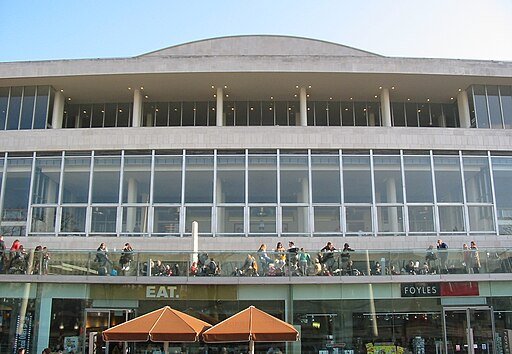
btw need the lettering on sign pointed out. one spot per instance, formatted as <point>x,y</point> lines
<point>161,292</point>
<point>420,289</point>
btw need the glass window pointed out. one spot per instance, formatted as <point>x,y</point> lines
<point>267,111</point>
<point>105,181</point>
<point>494,107</point>
<point>398,111</point>
<point>75,187</point>
<point>199,179</point>
<point>203,216</point>
<point>229,113</point>
<point>451,219</point>
<point>43,219</point>
<point>262,179</point>
<point>471,102</point>
<point>482,115</point>
<point>481,219</point>
<point>321,112</point>
<point>136,178</point>
<point>167,179</point>
<point>390,219</point>
<point>135,220</point>
<point>98,111</point>
<point>325,175</point>
<point>293,113</point>
<point>502,173</point>
<point>388,179</point>
<point>241,113</point>
<point>359,220</point>
<point>262,220</point>
<point>411,114</point>
<point>451,115</point>
<point>327,219</point>
<point>230,179</point>
<point>4,100</point>
<point>360,114</point>
<point>347,114</point>
<point>281,112</point>
<point>424,115</point>
<point>73,220</point>
<point>373,112</point>
<point>418,179</point>
<point>294,179</point>
<point>166,220</point>
<point>310,113</point>
<point>16,193</point>
<point>421,219</point>
<point>14,108</point>
<point>103,219</point>
<point>201,114</point>
<point>506,105</point>
<point>437,116</point>
<point>477,179</point>
<point>85,116</point>
<point>357,184</point>
<point>161,114</point>
<point>27,107</point>
<point>110,115</point>
<point>41,110</point>
<point>448,179</point>
<point>175,114</point>
<point>230,220</point>
<point>334,113</point>
<point>45,189</point>
<point>295,220</point>
<point>254,113</point>
<point>124,114</point>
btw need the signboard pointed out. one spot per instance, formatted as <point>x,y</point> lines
<point>23,338</point>
<point>163,292</point>
<point>460,289</point>
<point>71,344</point>
<point>420,289</point>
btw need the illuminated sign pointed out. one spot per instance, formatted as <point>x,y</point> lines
<point>420,289</point>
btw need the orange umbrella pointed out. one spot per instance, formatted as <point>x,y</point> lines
<point>163,325</point>
<point>251,325</point>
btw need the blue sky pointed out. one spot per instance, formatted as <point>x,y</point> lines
<point>59,29</point>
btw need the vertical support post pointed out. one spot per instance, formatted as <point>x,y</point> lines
<point>463,106</point>
<point>137,108</point>
<point>220,107</point>
<point>303,107</point>
<point>58,110</point>
<point>385,107</point>
<point>195,240</point>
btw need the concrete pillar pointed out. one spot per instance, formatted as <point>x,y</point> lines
<point>137,108</point>
<point>43,319</point>
<point>303,107</point>
<point>58,110</point>
<point>220,107</point>
<point>463,106</point>
<point>392,211</point>
<point>131,213</point>
<point>385,107</point>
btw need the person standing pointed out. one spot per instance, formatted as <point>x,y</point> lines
<point>467,259</point>
<point>475,257</point>
<point>442,251</point>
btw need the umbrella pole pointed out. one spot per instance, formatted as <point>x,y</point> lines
<point>251,346</point>
<point>166,347</point>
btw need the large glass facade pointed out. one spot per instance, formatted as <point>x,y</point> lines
<point>490,106</point>
<point>275,192</point>
<point>25,107</point>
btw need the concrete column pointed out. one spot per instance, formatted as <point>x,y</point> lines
<point>385,107</point>
<point>463,106</point>
<point>220,107</point>
<point>303,107</point>
<point>58,110</point>
<point>137,108</point>
<point>392,211</point>
<point>43,318</point>
<point>131,214</point>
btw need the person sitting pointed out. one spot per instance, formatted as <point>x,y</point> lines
<point>159,269</point>
<point>327,259</point>
<point>410,268</point>
<point>19,261</point>
<point>126,257</point>
<point>264,259</point>
<point>350,270</point>
<point>250,267</point>
<point>212,268</point>
<point>280,256</point>
<point>193,269</point>
<point>376,269</point>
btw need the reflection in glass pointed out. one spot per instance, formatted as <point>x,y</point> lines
<point>203,216</point>
<point>166,220</point>
<point>262,220</point>
<point>494,107</point>
<point>506,105</point>
<point>75,184</point>
<point>262,179</point>
<point>418,179</point>
<point>73,220</point>
<point>167,179</point>
<point>14,108</point>
<point>421,219</point>
<point>388,179</point>
<point>136,178</point>
<point>502,173</point>
<point>325,175</point>
<point>4,101</point>
<point>230,179</point>
<point>105,182</point>
<point>295,220</point>
<point>390,219</point>
<point>451,219</point>
<point>135,220</point>
<point>45,189</point>
<point>199,179</point>
<point>448,179</point>
<point>16,192</point>
<point>477,179</point>
<point>103,219</point>
<point>481,218</point>
<point>294,179</point>
<point>230,220</point>
<point>357,186</point>
<point>43,219</point>
<point>359,220</point>
<point>327,219</point>
<point>482,115</point>
<point>27,107</point>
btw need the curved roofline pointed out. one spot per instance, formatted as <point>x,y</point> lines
<point>259,35</point>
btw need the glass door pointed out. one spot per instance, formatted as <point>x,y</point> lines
<point>98,320</point>
<point>468,330</point>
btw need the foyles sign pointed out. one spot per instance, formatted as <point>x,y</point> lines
<point>420,289</point>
